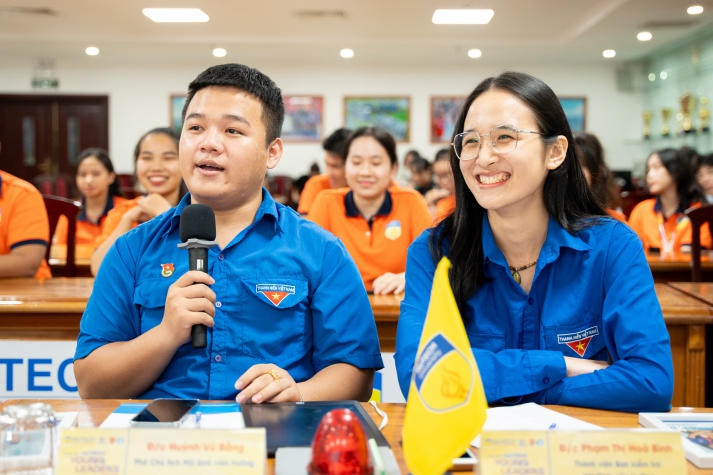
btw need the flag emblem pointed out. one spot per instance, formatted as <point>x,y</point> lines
<point>393,230</point>
<point>578,341</point>
<point>167,270</point>
<point>275,293</point>
<point>443,375</point>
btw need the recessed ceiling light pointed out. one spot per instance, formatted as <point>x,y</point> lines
<point>652,77</point>
<point>609,53</point>
<point>346,53</point>
<point>176,15</point>
<point>644,36</point>
<point>663,75</point>
<point>474,53</point>
<point>695,10</point>
<point>91,51</point>
<point>471,16</point>
<point>220,52</point>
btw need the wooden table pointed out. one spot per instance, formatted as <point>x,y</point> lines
<point>43,309</point>
<point>677,267</point>
<point>91,413</point>
<point>386,314</point>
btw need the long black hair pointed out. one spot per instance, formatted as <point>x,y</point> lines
<point>567,196</point>
<point>102,157</point>
<point>680,165</point>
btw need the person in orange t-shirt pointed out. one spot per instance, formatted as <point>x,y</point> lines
<point>334,154</point>
<point>158,173</point>
<point>661,222</point>
<point>24,229</point>
<point>99,187</point>
<point>375,220</point>
<point>442,199</point>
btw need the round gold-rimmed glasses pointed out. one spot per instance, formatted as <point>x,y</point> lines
<point>503,139</point>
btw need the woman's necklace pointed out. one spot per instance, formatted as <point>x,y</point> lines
<point>515,271</point>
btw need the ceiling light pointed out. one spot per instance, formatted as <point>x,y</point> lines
<point>644,36</point>
<point>346,53</point>
<point>470,16</point>
<point>474,53</point>
<point>695,10</point>
<point>176,15</point>
<point>663,75</point>
<point>220,52</point>
<point>652,77</point>
<point>91,51</point>
<point>609,53</point>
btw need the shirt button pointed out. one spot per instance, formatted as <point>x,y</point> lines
<point>218,358</point>
<point>367,234</point>
<point>546,380</point>
<point>221,257</point>
<point>218,304</point>
<point>530,300</point>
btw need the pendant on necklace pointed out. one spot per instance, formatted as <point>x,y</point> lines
<point>515,271</point>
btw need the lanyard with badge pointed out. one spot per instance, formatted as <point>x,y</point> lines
<point>666,241</point>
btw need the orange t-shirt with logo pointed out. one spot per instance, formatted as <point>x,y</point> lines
<point>645,219</point>
<point>380,246</point>
<point>23,218</point>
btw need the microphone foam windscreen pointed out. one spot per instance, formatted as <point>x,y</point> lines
<point>197,222</point>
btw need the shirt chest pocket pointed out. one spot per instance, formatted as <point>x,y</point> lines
<point>583,339</point>
<point>277,305</point>
<point>150,298</point>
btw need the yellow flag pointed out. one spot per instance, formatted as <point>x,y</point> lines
<point>446,405</point>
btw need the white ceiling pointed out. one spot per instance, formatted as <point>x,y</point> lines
<point>311,32</point>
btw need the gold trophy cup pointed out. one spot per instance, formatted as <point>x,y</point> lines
<point>685,124</point>
<point>647,116</point>
<point>665,116</point>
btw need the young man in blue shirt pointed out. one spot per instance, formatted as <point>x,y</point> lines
<point>287,314</point>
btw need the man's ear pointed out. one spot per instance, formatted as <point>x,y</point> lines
<point>557,152</point>
<point>274,153</point>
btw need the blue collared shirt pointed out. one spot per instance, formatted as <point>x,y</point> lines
<point>287,293</point>
<point>592,297</point>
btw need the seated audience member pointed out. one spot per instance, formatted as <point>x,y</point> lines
<point>333,147</point>
<point>590,154</point>
<point>441,200</point>
<point>704,176</point>
<point>157,171</point>
<point>24,229</point>
<point>404,172</point>
<point>375,220</point>
<point>661,222</point>
<point>556,297</point>
<point>286,313</point>
<point>99,188</point>
<point>422,175</point>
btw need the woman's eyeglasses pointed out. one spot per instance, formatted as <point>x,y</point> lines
<point>503,139</point>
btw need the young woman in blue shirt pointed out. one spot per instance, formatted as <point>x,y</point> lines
<point>557,298</point>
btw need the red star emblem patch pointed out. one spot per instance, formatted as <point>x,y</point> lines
<point>580,346</point>
<point>275,297</point>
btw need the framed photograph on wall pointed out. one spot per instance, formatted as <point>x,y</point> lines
<point>575,108</point>
<point>303,118</point>
<point>176,102</point>
<point>444,114</point>
<point>391,113</point>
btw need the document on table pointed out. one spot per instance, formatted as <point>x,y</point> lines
<point>531,416</point>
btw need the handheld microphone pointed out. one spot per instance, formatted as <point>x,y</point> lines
<point>197,229</point>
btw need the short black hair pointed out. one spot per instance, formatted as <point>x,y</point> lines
<point>334,142</point>
<point>251,81</point>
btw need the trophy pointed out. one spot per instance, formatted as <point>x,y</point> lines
<point>685,124</point>
<point>647,115</point>
<point>704,115</point>
<point>665,115</point>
